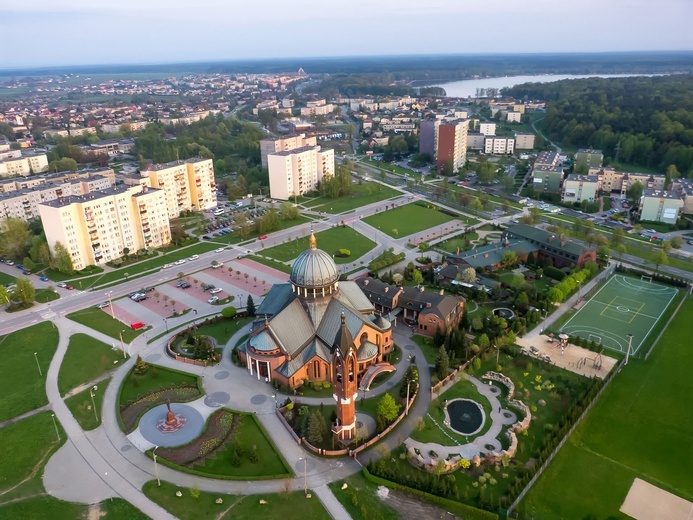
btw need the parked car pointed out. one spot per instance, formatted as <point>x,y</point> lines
<point>166,266</point>
<point>185,285</point>
<point>194,257</point>
<point>217,265</point>
<point>19,266</point>
<point>179,262</point>
<point>220,250</point>
<point>69,287</point>
<point>207,287</point>
<point>44,278</point>
<point>262,237</point>
<point>137,325</point>
<point>102,305</point>
<point>138,297</point>
<point>215,290</point>
<point>213,299</point>
<point>149,288</point>
<point>26,272</point>
<point>9,262</point>
<point>62,285</point>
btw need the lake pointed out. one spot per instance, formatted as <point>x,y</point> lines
<point>467,88</point>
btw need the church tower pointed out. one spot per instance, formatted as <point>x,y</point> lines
<point>344,371</point>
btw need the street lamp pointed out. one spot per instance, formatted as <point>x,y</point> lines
<point>93,403</point>
<point>110,304</point>
<point>166,323</point>
<point>274,396</point>
<point>56,426</point>
<point>156,468</point>
<point>630,342</point>
<point>305,475</point>
<point>122,345</point>
<point>37,364</point>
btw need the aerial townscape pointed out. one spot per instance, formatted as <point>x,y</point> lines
<point>274,265</point>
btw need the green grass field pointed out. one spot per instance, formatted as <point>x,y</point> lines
<point>407,220</point>
<point>7,279</point>
<point>361,195</point>
<point>640,427</point>
<point>82,409</point>
<point>330,240</point>
<point>134,385</point>
<point>103,322</point>
<point>620,307</point>
<point>22,388</point>
<point>86,359</point>
<point>360,499</point>
<point>223,330</point>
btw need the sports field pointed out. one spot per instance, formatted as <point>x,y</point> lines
<point>622,306</point>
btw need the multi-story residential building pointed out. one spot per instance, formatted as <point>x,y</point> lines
<point>660,206</point>
<point>513,117</point>
<point>499,145</point>
<point>684,187</point>
<point>619,182</point>
<point>585,159</point>
<point>97,227</point>
<point>487,128</point>
<point>547,179</point>
<point>451,144</point>
<point>578,188</point>
<point>187,185</point>
<point>396,126</point>
<point>298,171</point>
<point>524,140</point>
<point>284,144</point>
<point>546,159</point>
<point>317,108</point>
<point>475,141</point>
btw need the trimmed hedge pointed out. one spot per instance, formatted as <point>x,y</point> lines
<point>553,272</point>
<point>463,510</point>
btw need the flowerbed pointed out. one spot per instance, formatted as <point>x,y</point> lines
<point>131,412</point>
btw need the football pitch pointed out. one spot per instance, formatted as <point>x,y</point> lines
<point>622,306</point>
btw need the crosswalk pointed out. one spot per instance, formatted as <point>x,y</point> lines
<point>48,314</point>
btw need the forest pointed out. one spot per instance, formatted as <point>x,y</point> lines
<point>644,121</point>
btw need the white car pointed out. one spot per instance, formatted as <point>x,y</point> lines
<point>220,250</point>
<point>179,262</point>
<point>215,290</point>
<point>166,266</point>
<point>217,265</point>
<point>194,257</point>
<point>213,299</point>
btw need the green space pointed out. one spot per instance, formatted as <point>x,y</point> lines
<point>195,504</point>
<point>330,240</point>
<point>361,195</point>
<point>640,427</point>
<point>136,385</point>
<point>103,322</point>
<point>22,354</point>
<point>232,238</point>
<point>86,359</point>
<point>270,262</point>
<point>360,499</point>
<point>224,329</point>
<point>6,279</point>
<point>408,219</point>
<point>458,242</point>
<point>82,408</point>
<point>57,276</point>
<point>426,345</point>
<point>46,295</point>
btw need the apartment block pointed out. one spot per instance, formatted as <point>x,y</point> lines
<point>587,158</point>
<point>284,144</point>
<point>684,187</point>
<point>619,182</point>
<point>317,108</point>
<point>524,140</point>
<point>499,145</point>
<point>546,159</point>
<point>23,166</point>
<point>547,179</point>
<point>660,206</point>
<point>513,117</point>
<point>487,128</point>
<point>475,141</point>
<point>298,171</point>
<point>187,185</point>
<point>97,227</point>
<point>578,188</point>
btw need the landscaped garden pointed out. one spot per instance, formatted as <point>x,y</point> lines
<point>103,322</point>
<point>193,504</point>
<point>22,355</point>
<point>408,219</point>
<point>223,329</point>
<point>462,241</point>
<point>640,428</point>
<point>86,359</point>
<point>336,241</point>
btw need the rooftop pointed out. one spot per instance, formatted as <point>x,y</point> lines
<point>661,194</point>
<point>546,238</point>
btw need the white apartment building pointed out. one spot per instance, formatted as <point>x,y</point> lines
<point>298,171</point>
<point>487,128</point>
<point>499,145</point>
<point>319,110</point>
<point>614,181</point>
<point>660,206</point>
<point>514,117</point>
<point>95,228</point>
<point>578,188</point>
<point>284,144</point>
<point>187,185</point>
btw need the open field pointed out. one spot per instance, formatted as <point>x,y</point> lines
<point>407,220</point>
<point>81,406</point>
<point>86,359</point>
<point>640,427</point>
<point>330,241</point>
<point>22,388</point>
<point>104,323</point>
<point>361,195</point>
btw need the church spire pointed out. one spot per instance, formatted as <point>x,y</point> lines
<point>313,242</point>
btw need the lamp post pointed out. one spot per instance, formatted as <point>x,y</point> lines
<point>93,403</point>
<point>110,304</point>
<point>37,364</point>
<point>630,342</point>
<point>305,475</point>
<point>56,426</point>
<point>274,396</point>
<point>122,345</point>
<point>166,323</point>
<point>156,468</point>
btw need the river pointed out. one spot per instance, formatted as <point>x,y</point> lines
<point>467,88</point>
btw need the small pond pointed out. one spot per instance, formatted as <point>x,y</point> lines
<point>464,416</point>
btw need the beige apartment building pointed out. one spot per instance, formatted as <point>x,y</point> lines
<point>660,206</point>
<point>499,145</point>
<point>187,185</point>
<point>524,141</point>
<point>23,166</point>
<point>577,188</point>
<point>284,144</point>
<point>95,228</point>
<point>298,171</point>
<point>619,182</point>
<point>684,187</point>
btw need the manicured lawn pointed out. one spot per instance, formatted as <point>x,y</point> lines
<point>285,505</point>
<point>460,241</point>
<point>82,409</point>
<point>223,330</point>
<point>86,359</point>
<point>361,195</point>
<point>104,323</point>
<point>22,388</point>
<point>6,278</point>
<point>46,295</point>
<point>269,262</point>
<point>330,240</point>
<point>426,344</point>
<point>360,499</point>
<point>639,428</point>
<point>407,220</point>
<point>57,276</point>
<point>153,380</point>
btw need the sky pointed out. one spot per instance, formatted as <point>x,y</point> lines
<point>87,32</point>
